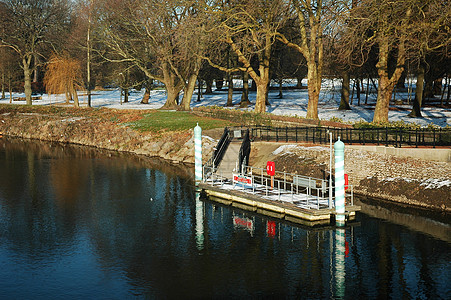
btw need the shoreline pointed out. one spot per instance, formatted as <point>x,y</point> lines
<point>394,179</point>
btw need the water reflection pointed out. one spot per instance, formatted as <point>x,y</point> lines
<point>79,223</point>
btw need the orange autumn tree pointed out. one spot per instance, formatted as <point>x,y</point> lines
<point>63,75</point>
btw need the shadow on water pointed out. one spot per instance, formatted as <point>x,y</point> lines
<point>434,223</point>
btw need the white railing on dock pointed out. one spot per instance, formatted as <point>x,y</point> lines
<point>304,191</point>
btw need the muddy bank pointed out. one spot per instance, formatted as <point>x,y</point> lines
<point>101,129</point>
<point>401,180</point>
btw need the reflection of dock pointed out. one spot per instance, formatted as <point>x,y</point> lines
<point>287,196</point>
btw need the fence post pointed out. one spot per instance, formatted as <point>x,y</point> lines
<point>416,138</point>
<point>314,133</point>
<point>364,136</point>
<point>433,135</point>
<point>386,136</point>
<point>400,137</point>
<point>286,133</point>
<point>378,139</point>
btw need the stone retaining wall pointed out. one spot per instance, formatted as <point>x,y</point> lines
<point>406,180</point>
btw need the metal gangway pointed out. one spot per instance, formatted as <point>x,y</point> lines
<point>302,191</point>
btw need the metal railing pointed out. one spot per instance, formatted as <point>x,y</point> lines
<point>218,153</point>
<point>283,186</point>
<point>397,137</point>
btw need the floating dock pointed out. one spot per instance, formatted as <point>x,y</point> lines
<point>295,198</point>
<point>297,201</point>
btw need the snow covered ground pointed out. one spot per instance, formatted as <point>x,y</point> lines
<point>293,103</point>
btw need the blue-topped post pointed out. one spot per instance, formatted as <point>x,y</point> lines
<point>339,148</point>
<point>198,153</point>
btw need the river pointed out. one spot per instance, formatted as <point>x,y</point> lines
<point>79,223</point>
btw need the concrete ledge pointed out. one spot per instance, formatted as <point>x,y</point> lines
<point>435,154</point>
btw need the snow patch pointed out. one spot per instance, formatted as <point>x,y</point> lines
<point>398,179</point>
<point>284,149</point>
<point>433,183</point>
<point>208,138</point>
<point>314,148</point>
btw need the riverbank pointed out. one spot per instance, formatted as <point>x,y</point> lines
<point>409,181</point>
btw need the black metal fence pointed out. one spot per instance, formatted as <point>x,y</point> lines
<point>397,137</point>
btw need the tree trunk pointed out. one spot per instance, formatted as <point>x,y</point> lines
<point>191,86</point>
<point>386,83</point>
<point>280,88</point>
<point>172,87</point>
<point>437,86</point>
<point>245,95</point>
<point>253,85</point>
<point>88,55</point>
<point>219,84</point>
<point>299,82</point>
<point>402,80</point>
<point>74,93</point>
<point>260,102</point>
<point>367,92</point>
<point>267,94</point>
<point>209,88</point>
<point>27,79</point>
<point>383,100</point>
<point>10,90</point>
<point>428,87</point>
<point>171,101</point>
<point>189,91</point>
<point>146,96</point>
<point>418,100</point>
<point>344,103</point>
<point>358,90</point>
<point>444,91</point>
<point>313,91</point>
<point>199,89</point>
<point>229,89</point>
<point>69,96</point>
<point>448,94</point>
<point>3,85</point>
<point>125,95</point>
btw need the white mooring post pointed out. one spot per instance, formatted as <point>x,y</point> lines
<point>330,169</point>
<point>198,153</point>
<point>339,148</point>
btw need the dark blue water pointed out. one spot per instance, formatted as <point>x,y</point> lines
<point>76,223</point>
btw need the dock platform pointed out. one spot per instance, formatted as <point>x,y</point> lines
<point>228,179</point>
<point>303,208</point>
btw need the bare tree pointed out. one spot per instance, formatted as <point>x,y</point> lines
<point>28,27</point>
<point>395,29</point>
<point>9,70</point>
<point>433,47</point>
<point>148,35</point>
<point>249,28</point>
<point>311,22</point>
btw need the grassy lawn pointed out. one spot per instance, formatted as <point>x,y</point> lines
<point>176,121</point>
